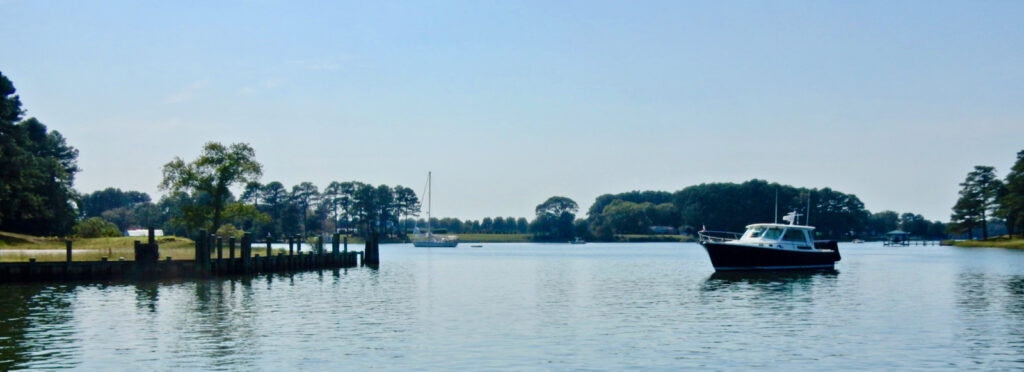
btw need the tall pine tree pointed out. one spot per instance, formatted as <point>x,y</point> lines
<point>37,171</point>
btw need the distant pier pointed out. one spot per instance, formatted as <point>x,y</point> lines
<point>212,259</point>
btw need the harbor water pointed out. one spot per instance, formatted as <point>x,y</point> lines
<point>598,306</point>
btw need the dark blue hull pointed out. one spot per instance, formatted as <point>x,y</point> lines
<point>726,257</point>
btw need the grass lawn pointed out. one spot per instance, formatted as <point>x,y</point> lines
<point>494,238</point>
<point>20,248</point>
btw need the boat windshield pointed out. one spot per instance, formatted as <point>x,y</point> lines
<point>755,232</point>
<point>772,233</point>
<point>769,233</point>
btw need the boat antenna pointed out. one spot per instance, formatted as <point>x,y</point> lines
<point>776,205</point>
<point>807,216</point>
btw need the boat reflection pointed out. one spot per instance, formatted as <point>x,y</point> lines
<point>727,279</point>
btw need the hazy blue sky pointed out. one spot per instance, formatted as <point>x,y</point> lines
<point>512,102</point>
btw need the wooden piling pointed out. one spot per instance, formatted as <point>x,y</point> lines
<point>246,252</point>
<point>371,255</point>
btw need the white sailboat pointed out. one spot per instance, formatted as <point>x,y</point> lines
<point>428,239</point>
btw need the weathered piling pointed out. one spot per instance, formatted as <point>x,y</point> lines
<point>246,252</point>
<point>372,255</point>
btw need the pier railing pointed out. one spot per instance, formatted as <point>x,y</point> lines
<point>717,236</point>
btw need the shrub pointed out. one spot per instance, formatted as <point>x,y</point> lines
<point>95,227</point>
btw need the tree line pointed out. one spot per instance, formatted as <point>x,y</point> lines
<point>200,199</point>
<point>732,206</point>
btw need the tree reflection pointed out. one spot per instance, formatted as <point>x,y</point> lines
<point>34,325</point>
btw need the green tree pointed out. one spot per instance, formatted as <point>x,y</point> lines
<point>209,178</point>
<point>915,224</point>
<point>977,199</point>
<point>303,196</point>
<point>407,204</point>
<point>883,222</point>
<point>623,217</point>
<point>37,170</point>
<point>97,202</point>
<point>1011,199</point>
<point>555,219</point>
<point>95,227</point>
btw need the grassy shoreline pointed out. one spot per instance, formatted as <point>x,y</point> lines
<point>997,242</point>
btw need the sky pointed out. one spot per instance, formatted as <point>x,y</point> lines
<point>509,103</point>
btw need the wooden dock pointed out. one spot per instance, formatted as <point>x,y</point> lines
<point>212,259</point>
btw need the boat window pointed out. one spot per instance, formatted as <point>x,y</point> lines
<point>795,236</point>
<point>755,232</point>
<point>772,233</point>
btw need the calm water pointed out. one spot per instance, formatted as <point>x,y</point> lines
<point>541,307</point>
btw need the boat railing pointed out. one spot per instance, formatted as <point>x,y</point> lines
<point>718,236</point>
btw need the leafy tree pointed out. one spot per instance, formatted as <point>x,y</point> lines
<point>554,219</point>
<point>95,227</point>
<point>836,214</point>
<point>406,203</point>
<point>883,222</point>
<point>1011,198</point>
<point>208,179</point>
<point>977,198</point>
<point>122,217</point>
<point>303,196</point>
<point>627,217</point>
<point>148,215</point>
<point>252,193</point>
<point>37,170</point>
<point>915,224</point>
<point>331,200</point>
<point>97,202</point>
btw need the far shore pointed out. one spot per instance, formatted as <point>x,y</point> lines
<point>19,248</point>
<point>997,242</point>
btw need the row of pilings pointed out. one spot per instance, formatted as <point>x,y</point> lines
<point>214,256</point>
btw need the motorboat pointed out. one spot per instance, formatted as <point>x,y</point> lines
<point>770,246</point>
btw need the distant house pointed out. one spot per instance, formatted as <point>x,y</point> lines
<point>144,232</point>
<point>663,230</point>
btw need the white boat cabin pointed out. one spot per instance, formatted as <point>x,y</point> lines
<point>773,235</point>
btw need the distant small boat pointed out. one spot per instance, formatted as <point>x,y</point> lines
<point>770,246</point>
<point>577,240</point>
<point>476,246</point>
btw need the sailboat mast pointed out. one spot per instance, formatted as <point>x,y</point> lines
<point>429,191</point>
<point>776,205</point>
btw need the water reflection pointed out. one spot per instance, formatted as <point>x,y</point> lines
<point>770,280</point>
<point>991,340</point>
<point>34,331</point>
<point>224,321</point>
<point>147,296</point>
